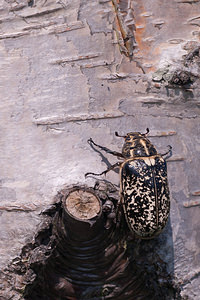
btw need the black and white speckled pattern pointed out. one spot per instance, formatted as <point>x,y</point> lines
<point>145,194</point>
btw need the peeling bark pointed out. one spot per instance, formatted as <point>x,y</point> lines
<point>125,26</point>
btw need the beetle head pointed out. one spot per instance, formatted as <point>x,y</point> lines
<point>137,145</point>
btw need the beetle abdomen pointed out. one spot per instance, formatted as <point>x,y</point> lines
<point>145,195</point>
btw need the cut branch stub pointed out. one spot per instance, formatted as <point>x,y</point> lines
<point>82,210</point>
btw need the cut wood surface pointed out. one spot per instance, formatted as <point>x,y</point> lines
<point>82,204</point>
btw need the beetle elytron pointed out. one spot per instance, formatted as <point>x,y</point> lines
<point>143,184</point>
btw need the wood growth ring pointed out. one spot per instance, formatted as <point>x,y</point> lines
<point>82,204</point>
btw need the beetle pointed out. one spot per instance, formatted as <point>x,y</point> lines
<point>144,191</point>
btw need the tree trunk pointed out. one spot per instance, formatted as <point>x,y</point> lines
<point>74,70</point>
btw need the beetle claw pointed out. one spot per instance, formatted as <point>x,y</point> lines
<point>90,141</point>
<point>89,173</point>
<point>117,134</point>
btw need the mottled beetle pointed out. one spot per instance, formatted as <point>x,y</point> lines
<point>143,184</point>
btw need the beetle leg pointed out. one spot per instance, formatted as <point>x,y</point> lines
<point>170,149</point>
<point>90,141</point>
<point>106,171</point>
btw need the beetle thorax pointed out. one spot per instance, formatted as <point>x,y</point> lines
<point>137,145</point>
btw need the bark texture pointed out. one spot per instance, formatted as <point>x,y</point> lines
<point>64,80</point>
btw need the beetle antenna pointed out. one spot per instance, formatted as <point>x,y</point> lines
<point>116,133</point>
<point>146,132</point>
